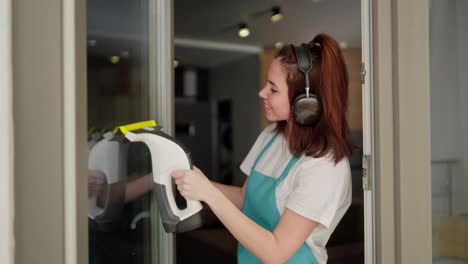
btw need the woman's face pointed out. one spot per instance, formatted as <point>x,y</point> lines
<point>275,94</point>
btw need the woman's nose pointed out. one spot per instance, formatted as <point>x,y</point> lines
<point>262,93</point>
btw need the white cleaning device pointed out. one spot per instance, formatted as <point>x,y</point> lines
<point>167,155</point>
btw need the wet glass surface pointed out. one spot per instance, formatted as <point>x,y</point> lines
<point>119,173</point>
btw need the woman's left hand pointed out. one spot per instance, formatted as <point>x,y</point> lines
<point>193,184</point>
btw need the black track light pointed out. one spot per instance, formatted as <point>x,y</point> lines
<point>276,14</point>
<point>243,30</point>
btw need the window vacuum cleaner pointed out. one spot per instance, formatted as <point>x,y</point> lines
<point>110,155</point>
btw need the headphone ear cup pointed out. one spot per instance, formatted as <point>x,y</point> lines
<point>307,110</point>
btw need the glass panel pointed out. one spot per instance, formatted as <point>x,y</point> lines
<point>449,130</point>
<point>118,173</point>
<point>218,115</point>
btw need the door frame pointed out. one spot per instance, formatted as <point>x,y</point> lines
<point>384,135</point>
<point>161,103</point>
<point>74,128</point>
<point>402,131</point>
<point>48,99</point>
<point>368,123</point>
<point>6,140</point>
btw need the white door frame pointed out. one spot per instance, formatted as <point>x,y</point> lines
<point>161,103</point>
<point>402,131</point>
<point>6,139</point>
<point>48,67</point>
<point>74,130</point>
<point>368,133</point>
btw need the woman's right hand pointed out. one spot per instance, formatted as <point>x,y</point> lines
<point>97,185</point>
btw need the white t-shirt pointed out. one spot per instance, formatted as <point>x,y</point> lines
<point>315,188</point>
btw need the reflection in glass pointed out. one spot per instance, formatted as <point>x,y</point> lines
<point>449,130</point>
<point>119,173</point>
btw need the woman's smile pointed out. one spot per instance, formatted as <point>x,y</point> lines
<point>275,94</point>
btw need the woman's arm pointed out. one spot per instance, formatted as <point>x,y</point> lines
<point>270,247</point>
<point>233,193</point>
<point>136,188</point>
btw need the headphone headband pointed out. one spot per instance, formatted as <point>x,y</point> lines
<point>304,61</point>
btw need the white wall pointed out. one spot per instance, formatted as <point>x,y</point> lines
<point>462,37</point>
<point>445,120</point>
<point>445,110</point>
<point>449,110</point>
<point>448,101</point>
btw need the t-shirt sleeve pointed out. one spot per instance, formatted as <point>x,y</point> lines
<point>321,191</point>
<point>257,147</point>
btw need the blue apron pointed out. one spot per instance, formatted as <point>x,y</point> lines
<point>260,206</point>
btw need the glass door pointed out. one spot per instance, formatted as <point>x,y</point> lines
<point>120,215</point>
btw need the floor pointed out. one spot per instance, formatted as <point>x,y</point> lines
<point>444,260</point>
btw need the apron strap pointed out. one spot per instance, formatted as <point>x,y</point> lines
<point>267,146</point>
<point>286,170</point>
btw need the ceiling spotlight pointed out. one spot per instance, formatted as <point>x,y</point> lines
<point>114,59</point>
<point>279,45</point>
<point>243,30</point>
<point>343,45</point>
<point>276,14</point>
<point>176,63</point>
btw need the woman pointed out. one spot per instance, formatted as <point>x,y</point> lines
<point>299,183</point>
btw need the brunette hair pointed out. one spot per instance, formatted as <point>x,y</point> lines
<point>329,81</point>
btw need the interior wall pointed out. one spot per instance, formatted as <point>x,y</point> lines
<point>353,59</point>
<point>445,109</point>
<point>449,125</point>
<point>445,114</point>
<point>462,41</point>
<point>239,81</point>
<point>448,108</point>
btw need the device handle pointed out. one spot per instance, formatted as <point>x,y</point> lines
<point>174,219</point>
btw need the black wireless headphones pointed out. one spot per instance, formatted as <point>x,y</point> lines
<point>307,107</point>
